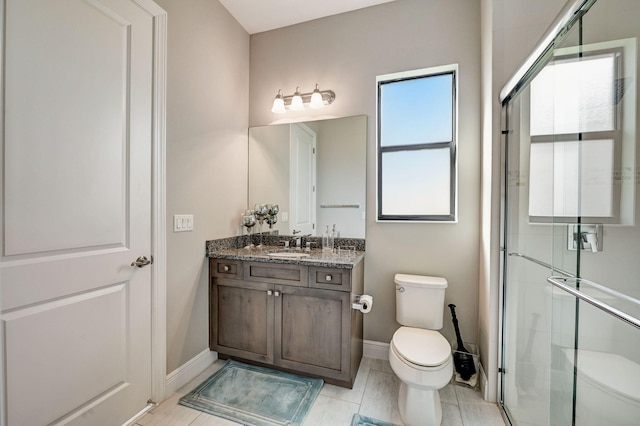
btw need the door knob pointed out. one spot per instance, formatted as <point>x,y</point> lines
<point>142,261</point>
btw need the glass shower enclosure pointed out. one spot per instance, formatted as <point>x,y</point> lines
<point>570,320</point>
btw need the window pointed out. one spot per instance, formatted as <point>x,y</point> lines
<point>417,145</point>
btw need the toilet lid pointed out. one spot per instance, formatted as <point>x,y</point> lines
<point>427,348</point>
<point>621,375</point>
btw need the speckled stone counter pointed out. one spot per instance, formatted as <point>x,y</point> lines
<point>344,256</point>
<point>341,259</point>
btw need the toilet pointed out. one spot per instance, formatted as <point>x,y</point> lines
<point>419,355</point>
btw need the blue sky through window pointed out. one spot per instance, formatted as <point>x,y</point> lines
<point>417,111</point>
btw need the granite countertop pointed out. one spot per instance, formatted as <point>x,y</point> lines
<point>338,259</point>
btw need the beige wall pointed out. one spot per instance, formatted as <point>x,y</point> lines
<point>345,53</point>
<point>207,120</point>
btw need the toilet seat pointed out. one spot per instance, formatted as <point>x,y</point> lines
<point>421,347</point>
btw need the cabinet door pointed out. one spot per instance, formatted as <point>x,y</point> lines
<point>312,331</point>
<point>242,319</point>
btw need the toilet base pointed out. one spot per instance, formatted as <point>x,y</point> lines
<point>419,407</point>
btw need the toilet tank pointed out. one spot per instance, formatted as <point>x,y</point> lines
<point>420,301</point>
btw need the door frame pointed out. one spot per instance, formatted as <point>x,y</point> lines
<point>158,203</point>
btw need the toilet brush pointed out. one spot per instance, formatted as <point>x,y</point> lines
<point>462,359</point>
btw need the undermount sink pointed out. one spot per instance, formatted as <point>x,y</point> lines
<point>288,254</point>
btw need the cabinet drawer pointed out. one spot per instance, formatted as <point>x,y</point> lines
<point>225,268</point>
<point>330,279</point>
<point>276,273</point>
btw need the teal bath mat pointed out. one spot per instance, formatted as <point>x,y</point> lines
<point>359,420</point>
<point>255,395</point>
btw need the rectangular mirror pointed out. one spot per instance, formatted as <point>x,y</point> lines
<point>315,171</point>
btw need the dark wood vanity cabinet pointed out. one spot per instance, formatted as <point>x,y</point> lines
<point>294,317</point>
<point>242,318</point>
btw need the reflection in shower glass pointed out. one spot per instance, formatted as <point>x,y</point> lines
<point>573,178</point>
<point>574,95</point>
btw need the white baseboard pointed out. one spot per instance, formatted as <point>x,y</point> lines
<point>189,370</point>
<point>376,350</point>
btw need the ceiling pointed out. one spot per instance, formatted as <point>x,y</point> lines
<point>263,15</point>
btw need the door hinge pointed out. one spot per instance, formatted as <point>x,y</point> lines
<point>314,150</point>
<point>502,370</point>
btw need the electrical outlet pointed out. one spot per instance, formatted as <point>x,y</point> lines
<point>182,223</point>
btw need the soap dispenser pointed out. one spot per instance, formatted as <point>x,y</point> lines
<point>327,241</point>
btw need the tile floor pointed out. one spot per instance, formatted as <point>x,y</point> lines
<point>374,394</point>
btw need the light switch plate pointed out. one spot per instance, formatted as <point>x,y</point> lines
<point>182,222</point>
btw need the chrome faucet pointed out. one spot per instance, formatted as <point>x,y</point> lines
<point>298,239</point>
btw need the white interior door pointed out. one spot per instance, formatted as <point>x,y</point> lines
<point>77,119</point>
<point>302,198</point>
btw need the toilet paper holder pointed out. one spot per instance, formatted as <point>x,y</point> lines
<point>362,305</point>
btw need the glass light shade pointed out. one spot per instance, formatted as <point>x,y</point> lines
<point>278,105</point>
<point>316,100</point>
<point>296,103</point>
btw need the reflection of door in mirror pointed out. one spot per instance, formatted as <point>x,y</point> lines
<point>302,216</point>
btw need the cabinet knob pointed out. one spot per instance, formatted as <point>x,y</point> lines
<point>226,268</point>
<point>277,293</point>
<point>269,292</point>
<point>328,278</point>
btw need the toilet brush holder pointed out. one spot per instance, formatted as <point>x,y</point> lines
<point>471,351</point>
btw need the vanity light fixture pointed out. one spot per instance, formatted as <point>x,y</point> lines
<point>296,102</point>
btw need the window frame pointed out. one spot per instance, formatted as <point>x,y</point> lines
<point>452,145</point>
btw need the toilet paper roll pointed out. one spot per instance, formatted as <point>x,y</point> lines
<point>367,303</point>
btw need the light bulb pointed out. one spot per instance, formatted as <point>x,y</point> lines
<point>278,104</point>
<point>316,99</point>
<point>296,101</point>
